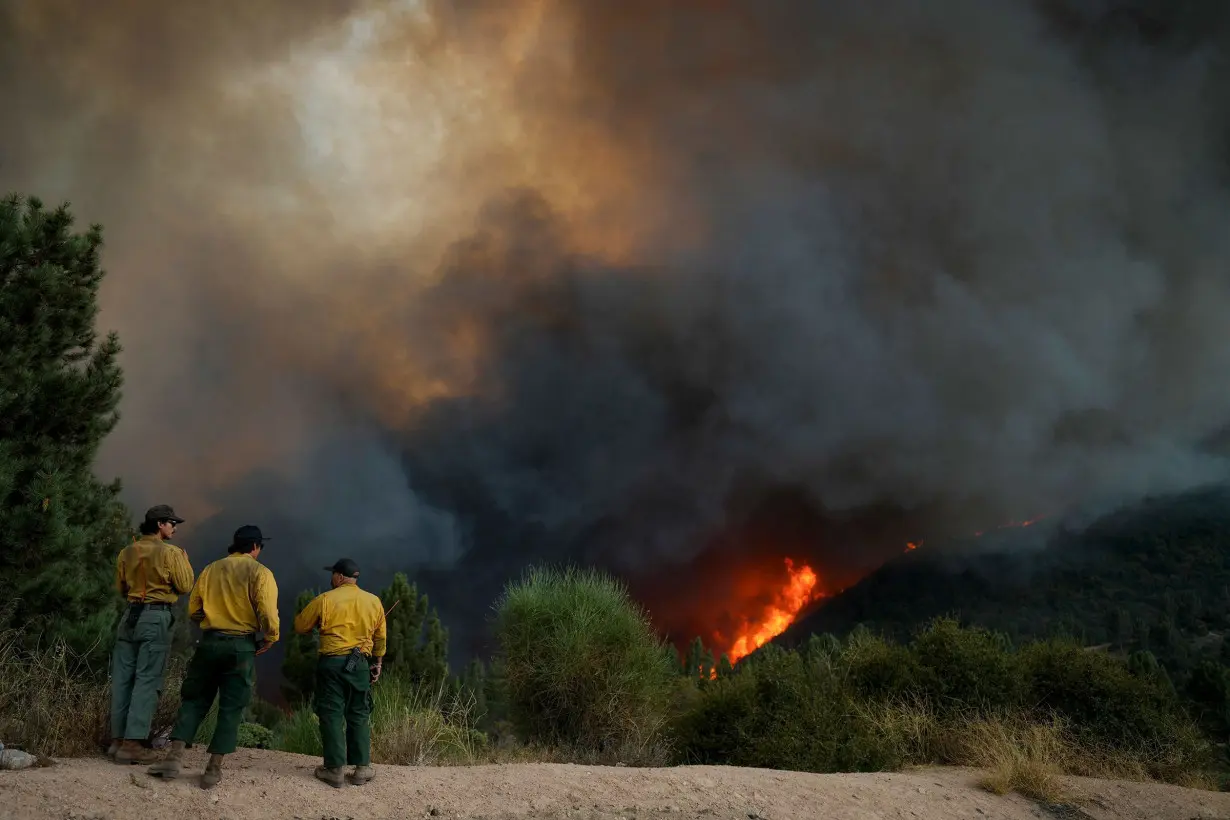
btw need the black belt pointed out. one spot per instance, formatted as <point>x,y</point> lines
<point>135,608</point>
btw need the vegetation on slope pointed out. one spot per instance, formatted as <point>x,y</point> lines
<point>1149,582</point>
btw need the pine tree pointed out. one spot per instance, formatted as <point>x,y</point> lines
<point>700,661</point>
<point>725,668</point>
<point>299,664</point>
<point>417,641</point>
<point>404,624</point>
<point>60,528</point>
<point>433,656</point>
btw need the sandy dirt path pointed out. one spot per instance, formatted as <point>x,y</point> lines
<point>277,786</point>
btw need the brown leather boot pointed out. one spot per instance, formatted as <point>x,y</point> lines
<point>168,767</point>
<point>361,775</point>
<point>334,777</point>
<point>131,752</point>
<point>213,772</point>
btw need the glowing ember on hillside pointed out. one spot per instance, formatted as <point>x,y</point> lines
<point>1029,522</point>
<point>797,593</point>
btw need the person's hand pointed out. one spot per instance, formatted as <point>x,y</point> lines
<point>264,647</point>
<point>376,667</point>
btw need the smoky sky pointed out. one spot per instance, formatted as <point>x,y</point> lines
<point>457,287</point>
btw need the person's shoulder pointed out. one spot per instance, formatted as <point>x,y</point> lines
<point>174,548</point>
<point>371,598</point>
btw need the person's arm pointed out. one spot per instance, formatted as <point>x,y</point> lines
<point>181,572</point>
<point>379,646</point>
<point>120,583</point>
<point>267,609</point>
<point>309,618</point>
<point>196,605</point>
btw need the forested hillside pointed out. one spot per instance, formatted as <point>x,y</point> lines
<point>1152,576</point>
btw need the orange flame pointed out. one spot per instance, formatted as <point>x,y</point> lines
<point>797,593</point>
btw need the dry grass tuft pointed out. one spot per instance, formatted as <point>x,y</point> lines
<point>1019,754</point>
<point>1029,759</point>
<point>413,727</point>
<point>53,704</point>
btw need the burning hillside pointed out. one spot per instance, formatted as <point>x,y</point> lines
<point>787,604</point>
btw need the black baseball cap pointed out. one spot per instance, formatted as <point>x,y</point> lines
<point>345,567</point>
<point>249,533</point>
<point>162,512</point>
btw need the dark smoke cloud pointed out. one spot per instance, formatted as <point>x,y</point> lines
<point>653,285</point>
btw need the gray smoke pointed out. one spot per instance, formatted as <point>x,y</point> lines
<point>515,281</point>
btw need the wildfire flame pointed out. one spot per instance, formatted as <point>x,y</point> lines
<point>796,594</point>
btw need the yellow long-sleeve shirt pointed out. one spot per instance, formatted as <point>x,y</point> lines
<point>151,570</point>
<point>347,617</point>
<point>236,595</point>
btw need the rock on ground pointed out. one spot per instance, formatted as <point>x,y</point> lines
<point>278,786</point>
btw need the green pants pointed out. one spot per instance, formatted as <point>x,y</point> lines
<point>344,706</point>
<point>138,669</point>
<point>224,666</point>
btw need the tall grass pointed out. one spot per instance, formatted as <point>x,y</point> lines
<point>583,666</point>
<point>411,726</point>
<point>53,703</point>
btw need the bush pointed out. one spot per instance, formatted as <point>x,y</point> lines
<point>966,668</point>
<point>255,736</point>
<point>582,665</point>
<point>1102,700</point>
<point>783,711</point>
<point>953,696</point>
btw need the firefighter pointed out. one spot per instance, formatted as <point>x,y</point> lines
<point>150,573</point>
<point>352,644</point>
<point>235,601</point>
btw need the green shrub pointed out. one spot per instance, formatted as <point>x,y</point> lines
<point>1102,700</point>
<point>953,696</point>
<point>783,711</point>
<point>582,665</point>
<point>960,669</point>
<point>878,669</point>
<point>255,736</point>
<point>300,734</point>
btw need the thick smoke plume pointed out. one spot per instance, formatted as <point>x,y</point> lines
<point>453,287</point>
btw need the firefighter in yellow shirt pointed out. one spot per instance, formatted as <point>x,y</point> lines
<point>352,644</point>
<point>235,601</point>
<point>151,573</point>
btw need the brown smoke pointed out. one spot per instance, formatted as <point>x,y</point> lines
<point>496,281</point>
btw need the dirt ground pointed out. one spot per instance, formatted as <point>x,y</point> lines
<point>277,786</point>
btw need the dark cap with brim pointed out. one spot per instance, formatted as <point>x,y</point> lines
<point>249,533</point>
<point>345,567</point>
<point>162,512</point>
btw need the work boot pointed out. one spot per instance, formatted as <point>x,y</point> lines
<point>334,777</point>
<point>168,767</point>
<point>213,772</point>
<point>113,748</point>
<point>131,752</point>
<point>361,775</point>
